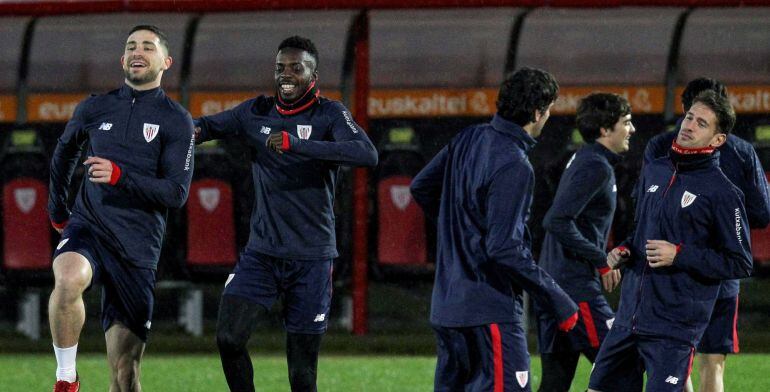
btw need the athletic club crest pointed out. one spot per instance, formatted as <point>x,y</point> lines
<point>304,131</point>
<point>522,377</point>
<point>400,196</point>
<point>150,131</point>
<point>25,198</point>
<point>687,199</point>
<point>209,198</point>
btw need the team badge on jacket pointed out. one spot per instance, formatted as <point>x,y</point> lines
<point>304,131</point>
<point>150,131</point>
<point>687,199</point>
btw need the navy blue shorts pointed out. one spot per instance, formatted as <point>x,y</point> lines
<point>306,286</point>
<point>595,319</point>
<point>490,357</point>
<point>128,292</point>
<point>624,357</point>
<point>721,335</point>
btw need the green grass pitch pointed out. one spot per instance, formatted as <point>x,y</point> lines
<point>168,373</point>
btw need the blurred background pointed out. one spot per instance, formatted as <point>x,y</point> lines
<point>414,73</point>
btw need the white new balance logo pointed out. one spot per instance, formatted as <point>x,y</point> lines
<point>652,189</point>
<point>265,130</point>
<point>105,126</point>
<point>319,318</point>
<point>672,380</point>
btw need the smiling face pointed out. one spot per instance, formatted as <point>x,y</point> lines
<point>144,60</point>
<point>699,128</point>
<point>617,139</point>
<point>295,69</point>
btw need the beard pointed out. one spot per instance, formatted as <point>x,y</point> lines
<point>141,79</point>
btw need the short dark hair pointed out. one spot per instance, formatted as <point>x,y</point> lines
<point>699,85</point>
<point>721,106</point>
<point>525,91</point>
<point>155,30</point>
<point>600,110</point>
<point>300,43</point>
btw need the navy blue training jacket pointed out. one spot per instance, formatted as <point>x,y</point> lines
<point>480,189</point>
<point>686,201</point>
<point>578,223</point>
<point>740,163</point>
<point>130,216</point>
<point>292,216</point>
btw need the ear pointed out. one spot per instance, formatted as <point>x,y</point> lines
<point>122,60</point>
<point>604,131</point>
<point>538,115</point>
<point>167,62</point>
<point>315,74</point>
<point>718,140</point>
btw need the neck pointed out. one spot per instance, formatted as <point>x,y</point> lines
<point>307,100</point>
<point>606,143</point>
<point>145,86</point>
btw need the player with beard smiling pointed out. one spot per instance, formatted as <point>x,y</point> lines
<point>139,162</point>
<point>298,141</point>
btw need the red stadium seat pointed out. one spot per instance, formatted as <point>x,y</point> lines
<point>760,243</point>
<point>26,229</point>
<point>210,225</point>
<point>401,239</point>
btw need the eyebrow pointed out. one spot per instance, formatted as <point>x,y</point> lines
<point>143,42</point>
<point>699,120</point>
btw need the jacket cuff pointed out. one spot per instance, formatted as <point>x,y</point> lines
<point>604,270</point>
<point>285,143</point>
<point>115,177</point>
<point>59,225</point>
<point>569,323</point>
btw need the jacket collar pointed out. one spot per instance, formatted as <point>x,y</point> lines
<point>685,159</point>
<point>127,92</point>
<point>517,132</point>
<point>599,149</point>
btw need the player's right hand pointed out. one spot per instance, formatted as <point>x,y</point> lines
<point>617,256</point>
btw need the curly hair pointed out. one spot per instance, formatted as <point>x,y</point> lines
<point>699,85</point>
<point>600,110</point>
<point>721,106</point>
<point>300,43</point>
<point>525,91</point>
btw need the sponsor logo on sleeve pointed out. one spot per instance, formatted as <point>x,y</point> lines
<point>653,189</point>
<point>150,131</point>
<point>738,225</point>
<point>188,158</point>
<point>349,120</point>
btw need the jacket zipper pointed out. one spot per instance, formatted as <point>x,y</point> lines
<point>644,269</point>
<point>128,121</point>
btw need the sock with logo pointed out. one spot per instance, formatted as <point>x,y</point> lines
<point>65,363</point>
<point>302,357</point>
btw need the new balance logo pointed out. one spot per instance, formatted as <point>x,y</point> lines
<point>320,317</point>
<point>653,189</point>
<point>672,380</point>
<point>264,130</point>
<point>105,126</point>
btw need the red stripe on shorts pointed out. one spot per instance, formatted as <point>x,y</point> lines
<point>588,320</point>
<point>497,352</point>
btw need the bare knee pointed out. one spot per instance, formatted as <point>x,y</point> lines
<point>72,275</point>
<point>713,364</point>
<point>125,372</point>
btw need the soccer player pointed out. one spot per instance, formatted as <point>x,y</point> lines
<point>740,163</point>
<point>298,139</point>
<point>140,146</point>
<point>690,234</point>
<point>577,226</point>
<point>479,187</point>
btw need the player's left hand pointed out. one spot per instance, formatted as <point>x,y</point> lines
<point>660,253</point>
<point>101,171</point>
<point>610,280</point>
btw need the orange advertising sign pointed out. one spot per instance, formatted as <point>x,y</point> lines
<point>7,108</point>
<point>745,99</point>
<point>58,107</point>
<point>428,103</point>
<point>643,99</point>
